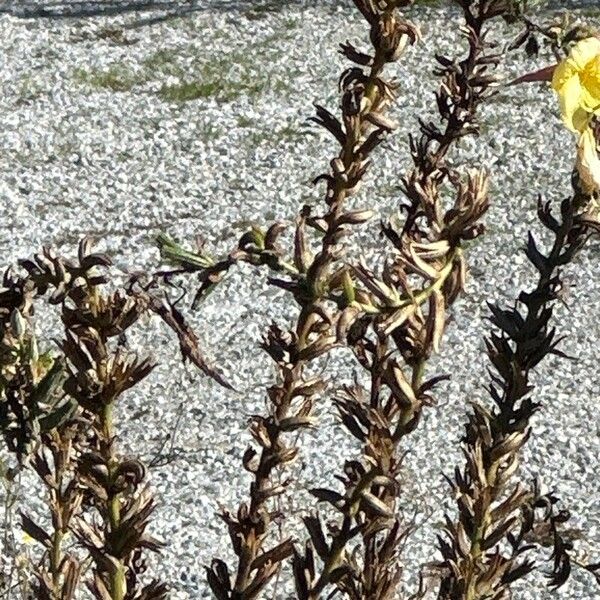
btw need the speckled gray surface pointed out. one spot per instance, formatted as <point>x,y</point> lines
<point>78,159</point>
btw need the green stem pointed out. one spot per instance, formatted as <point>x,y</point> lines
<point>418,373</point>
<point>118,584</point>
<point>333,559</point>
<point>423,295</point>
<point>378,64</point>
<point>436,286</point>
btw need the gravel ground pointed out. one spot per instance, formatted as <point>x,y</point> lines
<point>93,141</point>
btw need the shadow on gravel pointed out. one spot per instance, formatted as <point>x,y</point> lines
<point>172,8</point>
<point>91,8</point>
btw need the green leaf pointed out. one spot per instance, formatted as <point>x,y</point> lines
<point>47,390</point>
<point>59,416</point>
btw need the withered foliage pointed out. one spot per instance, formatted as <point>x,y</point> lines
<point>400,321</point>
<point>319,284</point>
<point>393,321</point>
<point>557,34</point>
<point>499,522</point>
<point>58,403</point>
<point>57,418</point>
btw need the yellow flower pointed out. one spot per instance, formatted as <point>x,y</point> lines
<point>588,162</point>
<point>577,81</point>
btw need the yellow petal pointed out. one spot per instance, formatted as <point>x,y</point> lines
<point>590,97</point>
<point>584,51</point>
<point>581,119</point>
<point>588,162</point>
<point>564,72</point>
<point>577,79</point>
<point>580,55</point>
<point>570,104</point>
<point>590,81</point>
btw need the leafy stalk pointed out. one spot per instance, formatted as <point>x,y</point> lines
<point>495,509</point>
<point>396,329</point>
<point>56,415</point>
<point>314,280</point>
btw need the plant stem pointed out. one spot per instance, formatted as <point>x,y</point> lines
<point>333,559</point>
<point>118,584</point>
<point>524,340</point>
<point>56,559</point>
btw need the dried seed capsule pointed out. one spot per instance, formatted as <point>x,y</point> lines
<point>18,323</point>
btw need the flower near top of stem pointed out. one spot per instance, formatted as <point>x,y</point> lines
<point>576,80</point>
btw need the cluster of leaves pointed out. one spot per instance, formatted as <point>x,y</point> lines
<point>57,419</point>
<point>496,510</point>
<point>555,36</point>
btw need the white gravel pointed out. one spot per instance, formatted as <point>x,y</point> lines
<point>77,158</point>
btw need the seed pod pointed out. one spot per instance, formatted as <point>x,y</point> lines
<point>273,234</point>
<point>356,217</point>
<point>382,121</point>
<point>395,320</point>
<point>436,319</point>
<point>18,323</point>
<point>376,505</point>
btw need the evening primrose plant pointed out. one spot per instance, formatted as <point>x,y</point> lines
<point>577,82</point>
<point>61,395</point>
<point>393,320</point>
